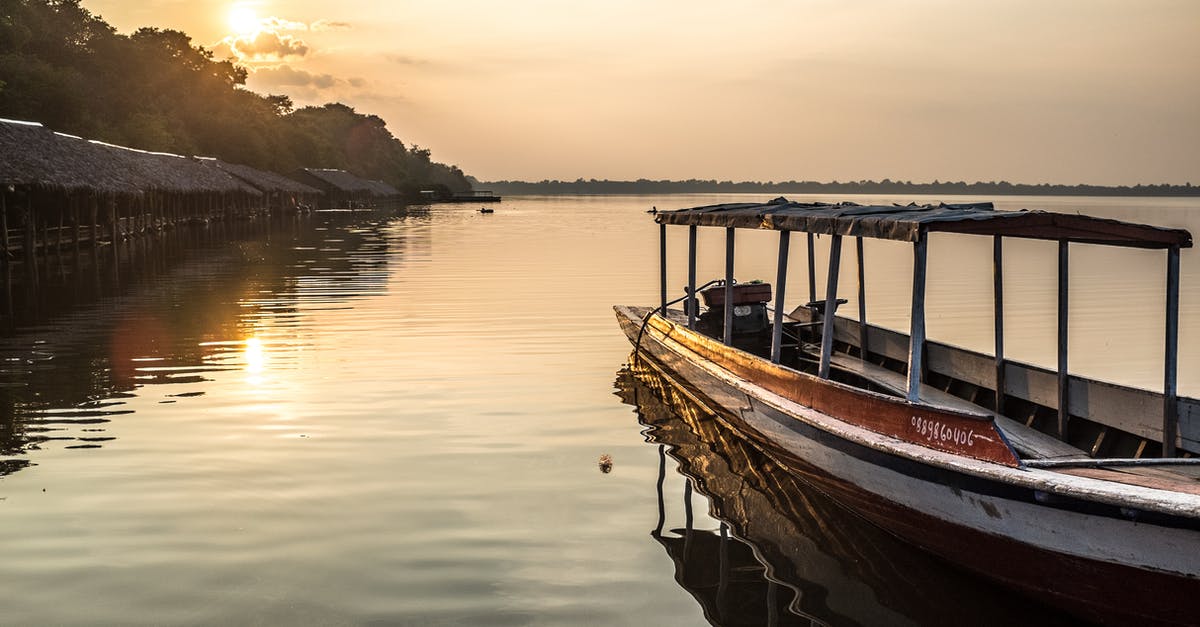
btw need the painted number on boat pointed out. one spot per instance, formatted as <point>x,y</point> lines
<point>938,431</point>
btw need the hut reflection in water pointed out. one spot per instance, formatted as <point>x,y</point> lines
<point>86,330</point>
<point>783,553</point>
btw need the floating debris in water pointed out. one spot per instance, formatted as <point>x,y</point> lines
<point>606,463</point>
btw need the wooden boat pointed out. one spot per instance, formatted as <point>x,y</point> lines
<point>1084,494</point>
<point>805,559</point>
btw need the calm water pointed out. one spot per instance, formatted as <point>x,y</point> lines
<point>398,419</point>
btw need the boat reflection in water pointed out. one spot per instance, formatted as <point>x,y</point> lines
<point>785,554</point>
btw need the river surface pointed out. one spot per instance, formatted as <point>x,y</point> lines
<point>406,418</point>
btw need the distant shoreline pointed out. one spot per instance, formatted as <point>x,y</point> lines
<point>595,187</point>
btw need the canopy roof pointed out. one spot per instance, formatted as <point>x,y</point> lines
<point>908,222</point>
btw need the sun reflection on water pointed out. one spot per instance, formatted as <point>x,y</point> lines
<point>254,356</point>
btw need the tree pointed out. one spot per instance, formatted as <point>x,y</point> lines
<point>154,89</point>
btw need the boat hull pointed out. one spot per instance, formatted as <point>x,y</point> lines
<point>1092,556</point>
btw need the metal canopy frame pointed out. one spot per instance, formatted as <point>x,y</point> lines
<point>913,223</point>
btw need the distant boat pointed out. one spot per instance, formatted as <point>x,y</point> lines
<point>1083,493</point>
<point>486,210</point>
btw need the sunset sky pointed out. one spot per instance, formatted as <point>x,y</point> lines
<point>1068,91</point>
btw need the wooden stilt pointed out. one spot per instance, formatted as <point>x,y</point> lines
<point>94,204</point>
<point>75,222</point>
<point>58,237</point>
<point>4,224</point>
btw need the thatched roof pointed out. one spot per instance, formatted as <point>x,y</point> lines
<point>383,189</point>
<point>336,179</point>
<point>34,156</point>
<point>339,180</point>
<point>261,179</point>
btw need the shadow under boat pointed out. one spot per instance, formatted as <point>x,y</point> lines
<point>785,554</point>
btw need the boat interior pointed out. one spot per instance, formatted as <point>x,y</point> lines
<point>959,379</point>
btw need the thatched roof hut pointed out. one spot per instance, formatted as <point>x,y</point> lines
<point>56,188</point>
<point>38,158</point>
<point>383,190</point>
<point>332,180</point>
<point>343,189</point>
<point>35,157</point>
<point>264,181</point>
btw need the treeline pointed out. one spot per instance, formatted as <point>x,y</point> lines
<point>152,89</point>
<point>886,186</point>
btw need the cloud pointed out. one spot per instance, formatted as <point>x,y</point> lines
<point>273,40</point>
<point>268,45</point>
<point>276,24</point>
<point>402,59</point>
<point>321,25</point>
<point>307,88</point>
<point>287,76</point>
<point>263,45</point>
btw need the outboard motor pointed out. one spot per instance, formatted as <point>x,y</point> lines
<point>749,309</point>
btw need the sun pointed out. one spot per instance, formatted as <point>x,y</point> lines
<point>243,20</point>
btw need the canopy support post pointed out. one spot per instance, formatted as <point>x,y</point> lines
<point>4,225</point>
<point>662,267</point>
<point>691,292</point>
<point>835,260</point>
<point>916,338</point>
<point>1171,356</point>
<point>812,271</point>
<point>1064,388</point>
<point>729,233</point>
<point>862,301</point>
<point>998,322</point>
<point>780,287</point>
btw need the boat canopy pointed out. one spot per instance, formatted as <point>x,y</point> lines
<point>909,222</point>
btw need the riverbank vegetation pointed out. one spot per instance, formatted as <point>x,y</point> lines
<point>886,186</point>
<point>154,90</point>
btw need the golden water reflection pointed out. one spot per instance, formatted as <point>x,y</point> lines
<point>165,319</point>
